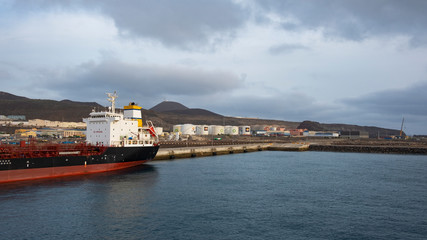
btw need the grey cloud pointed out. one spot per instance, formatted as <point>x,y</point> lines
<point>286,48</point>
<point>382,109</point>
<point>290,106</point>
<point>386,108</point>
<point>185,24</point>
<point>394,102</point>
<point>180,23</point>
<point>4,75</point>
<point>201,24</point>
<point>140,81</point>
<point>355,19</point>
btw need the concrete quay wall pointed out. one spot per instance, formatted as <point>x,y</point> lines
<point>204,151</point>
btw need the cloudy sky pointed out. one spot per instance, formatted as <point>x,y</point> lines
<point>357,61</point>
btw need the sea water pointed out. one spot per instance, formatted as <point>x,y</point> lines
<point>262,195</point>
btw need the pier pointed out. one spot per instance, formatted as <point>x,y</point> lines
<point>204,151</point>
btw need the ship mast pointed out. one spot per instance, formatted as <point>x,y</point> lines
<point>112,98</point>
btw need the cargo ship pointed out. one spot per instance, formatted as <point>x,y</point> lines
<point>114,140</point>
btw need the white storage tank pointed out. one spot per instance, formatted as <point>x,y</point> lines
<point>176,128</point>
<point>231,130</point>
<point>219,130</point>
<point>188,129</point>
<point>159,130</point>
<point>227,129</point>
<point>210,129</point>
<point>234,130</point>
<point>202,130</point>
<point>216,130</point>
<point>245,130</point>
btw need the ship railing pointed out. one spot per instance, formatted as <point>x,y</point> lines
<point>33,150</point>
<point>133,143</point>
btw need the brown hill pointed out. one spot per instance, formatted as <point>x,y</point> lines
<point>8,96</point>
<point>165,114</point>
<point>166,106</point>
<point>64,110</point>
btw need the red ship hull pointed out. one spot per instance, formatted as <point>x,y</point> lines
<point>35,162</point>
<point>52,172</point>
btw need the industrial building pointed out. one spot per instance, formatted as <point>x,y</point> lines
<point>354,134</point>
<point>190,129</point>
<point>327,134</point>
<point>48,123</point>
<point>48,132</point>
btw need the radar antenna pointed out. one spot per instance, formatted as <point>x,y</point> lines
<point>112,98</point>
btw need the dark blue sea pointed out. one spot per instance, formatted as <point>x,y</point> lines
<point>262,195</point>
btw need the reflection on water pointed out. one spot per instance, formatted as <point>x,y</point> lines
<point>77,179</point>
<point>89,203</point>
<point>262,195</point>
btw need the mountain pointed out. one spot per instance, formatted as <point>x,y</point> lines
<point>65,110</point>
<point>169,113</point>
<point>8,96</point>
<point>311,126</point>
<point>168,106</point>
<point>165,114</point>
<point>204,117</point>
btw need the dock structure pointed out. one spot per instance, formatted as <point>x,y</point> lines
<point>204,151</point>
<point>167,153</point>
<point>294,147</point>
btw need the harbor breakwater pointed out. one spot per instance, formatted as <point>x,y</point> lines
<point>167,153</point>
<point>368,149</point>
<point>204,151</point>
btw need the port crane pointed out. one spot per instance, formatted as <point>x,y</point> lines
<point>401,127</point>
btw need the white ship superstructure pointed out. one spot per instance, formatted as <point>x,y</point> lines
<point>111,128</point>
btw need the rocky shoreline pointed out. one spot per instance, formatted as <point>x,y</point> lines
<point>371,146</point>
<point>368,149</point>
